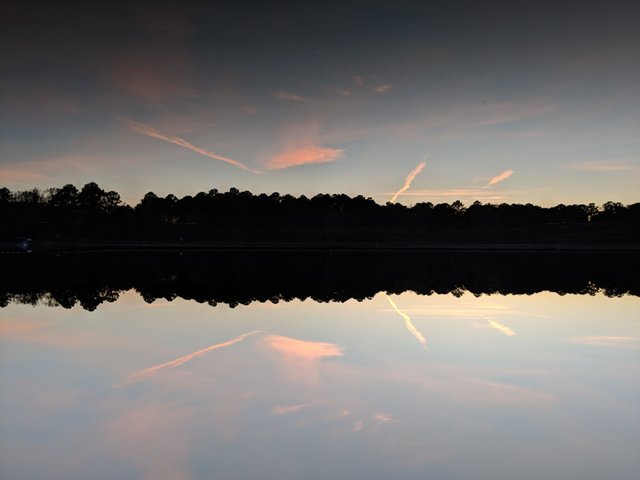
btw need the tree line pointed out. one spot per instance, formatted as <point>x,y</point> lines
<point>240,277</point>
<point>90,212</point>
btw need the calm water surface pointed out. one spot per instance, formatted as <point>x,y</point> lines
<point>402,387</point>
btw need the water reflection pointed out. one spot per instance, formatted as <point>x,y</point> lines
<point>236,278</point>
<point>149,372</point>
<point>311,390</point>
<point>501,328</point>
<point>409,324</point>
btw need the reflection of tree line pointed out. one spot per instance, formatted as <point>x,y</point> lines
<point>90,212</point>
<point>241,277</point>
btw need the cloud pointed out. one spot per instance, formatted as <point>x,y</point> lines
<point>151,371</point>
<point>303,156</point>
<point>499,113</point>
<point>358,80</point>
<point>500,178</point>
<point>21,176</point>
<point>602,166</point>
<point>286,409</point>
<point>290,97</point>
<point>408,180</point>
<point>448,193</point>
<point>608,341</point>
<point>43,171</point>
<point>382,88</point>
<point>148,131</point>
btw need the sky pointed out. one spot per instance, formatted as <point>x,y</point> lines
<point>518,102</point>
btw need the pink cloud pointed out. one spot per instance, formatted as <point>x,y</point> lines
<point>303,156</point>
<point>21,175</point>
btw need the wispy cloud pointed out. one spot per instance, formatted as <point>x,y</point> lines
<point>408,323</point>
<point>287,409</point>
<point>447,193</point>
<point>409,179</point>
<point>500,178</point>
<point>358,80</point>
<point>151,371</point>
<point>501,328</point>
<point>149,131</point>
<point>290,97</point>
<point>304,156</point>
<point>603,166</point>
<point>46,170</point>
<point>21,175</point>
<point>382,88</point>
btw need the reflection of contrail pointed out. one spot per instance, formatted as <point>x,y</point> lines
<point>409,179</point>
<point>502,328</point>
<point>499,178</point>
<point>149,372</point>
<point>143,129</point>
<point>407,323</point>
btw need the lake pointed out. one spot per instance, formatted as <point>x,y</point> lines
<point>398,385</point>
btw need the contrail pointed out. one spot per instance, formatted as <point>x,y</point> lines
<point>407,323</point>
<point>151,371</point>
<point>499,178</point>
<point>409,179</point>
<point>143,129</point>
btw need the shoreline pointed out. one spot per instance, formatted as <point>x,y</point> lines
<point>399,246</point>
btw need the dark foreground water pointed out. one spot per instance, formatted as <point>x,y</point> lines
<point>397,386</point>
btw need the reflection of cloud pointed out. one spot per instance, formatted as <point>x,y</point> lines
<point>608,341</point>
<point>286,409</point>
<point>481,312</point>
<point>143,129</point>
<point>10,327</point>
<point>502,328</point>
<point>154,438</point>
<point>409,179</point>
<point>407,323</point>
<point>303,349</point>
<point>149,372</point>
<point>500,178</point>
<point>382,417</point>
<point>304,156</point>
